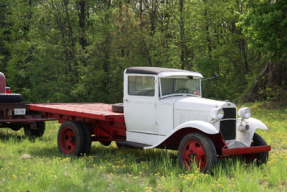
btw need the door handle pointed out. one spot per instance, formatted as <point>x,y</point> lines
<point>126,100</point>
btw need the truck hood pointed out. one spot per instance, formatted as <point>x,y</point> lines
<point>196,103</point>
<point>195,108</point>
<point>201,104</point>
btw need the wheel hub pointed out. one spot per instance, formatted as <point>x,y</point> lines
<point>194,152</point>
<point>68,140</point>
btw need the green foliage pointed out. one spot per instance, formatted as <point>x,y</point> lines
<point>266,24</point>
<point>77,50</point>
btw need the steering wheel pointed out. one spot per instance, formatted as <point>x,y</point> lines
<point>182,90</point>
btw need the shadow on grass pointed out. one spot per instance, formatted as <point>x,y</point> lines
<point>7,136</point>
<point>103,155</point>
<point>46,152</point>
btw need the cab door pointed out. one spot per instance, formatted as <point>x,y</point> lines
<point>140,94</point>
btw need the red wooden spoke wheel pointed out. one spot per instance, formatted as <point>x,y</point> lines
<point>71,139</point>
<point>68,140</point>
<point>199,148</point>
<point>193,150</point>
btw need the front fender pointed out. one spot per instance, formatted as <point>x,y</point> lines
<point>203,126</point>
<point>246,136</point>
<point>200,125</point>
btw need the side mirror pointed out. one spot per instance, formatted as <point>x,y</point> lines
<point>215,76</point>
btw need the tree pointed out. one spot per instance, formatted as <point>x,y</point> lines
<point>266,25</point>
<point>4,32</point>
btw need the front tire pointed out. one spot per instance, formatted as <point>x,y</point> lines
<point>71,139</point>
<point>262,157</point>
<point>199,148</point>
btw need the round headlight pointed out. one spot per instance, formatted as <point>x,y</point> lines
<point>217,113</point>
<point>244,113</point>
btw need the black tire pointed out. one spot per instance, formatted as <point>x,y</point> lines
<point>105,143</point>
<point>262,157</point>
<point>71,139</point>
<point>202,144</point>
<point>10,98</point>
<point>39,132</point>
<point>15,126</point>
<point>87,136</point>
<point>118,107</point>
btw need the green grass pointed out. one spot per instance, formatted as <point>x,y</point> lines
<point>38,166</point>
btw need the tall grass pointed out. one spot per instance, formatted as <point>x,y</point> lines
<point>37,165</point>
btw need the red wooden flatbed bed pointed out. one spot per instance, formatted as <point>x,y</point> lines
<point>96,121</point>
<point>98,111</point>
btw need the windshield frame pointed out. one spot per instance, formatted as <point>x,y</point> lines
<point>178,94</point>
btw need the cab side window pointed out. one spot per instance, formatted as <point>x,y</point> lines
<point>141,85</point>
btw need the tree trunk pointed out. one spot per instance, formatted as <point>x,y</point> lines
<point>182,39</point>
<point>82,22</point>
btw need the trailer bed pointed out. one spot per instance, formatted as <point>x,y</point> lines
<point>98,111</point>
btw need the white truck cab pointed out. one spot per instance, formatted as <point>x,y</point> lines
<point>150,95</point>
<point>163,106</point>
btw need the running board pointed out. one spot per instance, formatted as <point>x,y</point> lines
<point>133,144</point>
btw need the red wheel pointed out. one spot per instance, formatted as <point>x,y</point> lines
<point>197,148</point>
<point>70,138</point>
<point>193,150</point>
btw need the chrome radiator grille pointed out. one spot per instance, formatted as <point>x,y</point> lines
<point>228,127</point>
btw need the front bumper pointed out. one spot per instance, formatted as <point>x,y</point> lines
<point>245,150</point>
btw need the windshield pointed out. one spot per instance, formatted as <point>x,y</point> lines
<point>178,86</point>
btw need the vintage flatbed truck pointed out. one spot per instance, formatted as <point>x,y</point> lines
<point>16,115</point>
<point>162,108</point>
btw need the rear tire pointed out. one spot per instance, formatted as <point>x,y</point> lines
<point>10,98</point>
<point>199,148</point>
<point>87,136</point>
<point>71,139</point>
<point>39,132</point>
<point>15,126</point>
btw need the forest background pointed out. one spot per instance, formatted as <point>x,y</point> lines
<point>77,50</point>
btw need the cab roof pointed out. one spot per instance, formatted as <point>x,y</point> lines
<point>162,72</point>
